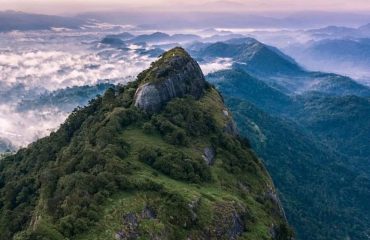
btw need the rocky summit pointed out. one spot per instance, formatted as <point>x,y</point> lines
<point>174,75</point>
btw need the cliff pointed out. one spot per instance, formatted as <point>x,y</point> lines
<point>176,74</point>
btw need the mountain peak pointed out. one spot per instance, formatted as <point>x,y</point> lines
<point>174,74</point>
<point>111,171</point>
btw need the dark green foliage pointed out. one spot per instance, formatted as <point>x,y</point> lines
<point>343,122</point>
<point>176,164</point>
<point>181,119</point>
<point>240,84</point>
<point>182,216</point>
<point>126,93</point>
<point>314,146</point>
<point>283,231</point>
<point>148,128</point>
<point>187,114</point>
<point>79,177</point>
<point>20,172</point>
<point>307,175</point>
<point>172,133</point>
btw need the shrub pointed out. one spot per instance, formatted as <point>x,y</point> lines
<point>177,137</point>
<point>176,164</point>
<point>148,128</point>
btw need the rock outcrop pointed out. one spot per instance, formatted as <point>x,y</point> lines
<point>209,155</point>
<point>174,75</point>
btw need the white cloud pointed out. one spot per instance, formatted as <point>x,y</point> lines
<point>22,128</point>
<point>216,65</point>
<point>51,61</point>
<point>57,69</point>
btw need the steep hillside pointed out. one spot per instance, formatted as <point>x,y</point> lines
<point>341,122</point>
<point>314,145</point>
<point>239,84</point>
<point>320,192</point>
<point>117,171</point>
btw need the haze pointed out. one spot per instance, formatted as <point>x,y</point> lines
<point>68,7</point>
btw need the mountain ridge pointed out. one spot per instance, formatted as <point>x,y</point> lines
<point>276,69</point>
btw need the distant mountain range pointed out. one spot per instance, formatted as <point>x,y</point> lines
<point>12,20</point>
<point>161,39</point>
<point>250,54</point>
<point>176,20</point>
<point>275,68</point>
<point>335,32</point>
<point>342,50</point>
<point>355,51</point>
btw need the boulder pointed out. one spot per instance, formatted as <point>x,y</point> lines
<point>148,213</point>
<point>174,75</point>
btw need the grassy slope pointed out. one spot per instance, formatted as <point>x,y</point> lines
<point>211,193</point>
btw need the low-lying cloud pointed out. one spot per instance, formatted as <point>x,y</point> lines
<point>38,63</point>
<point>22,128</point>
<point>57,69</point>
<point>216,65</point>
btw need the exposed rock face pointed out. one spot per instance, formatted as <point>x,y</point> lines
<point>131,222</point>
<point>148,213</point>
<point>174,75</point>
<point>236,226</point>
<point>274,198</point>
<point>228,222</point>
<point>231,128</point>
<point>209,155</point>
<point>193,208</point>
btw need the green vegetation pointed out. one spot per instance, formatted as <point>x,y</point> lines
<point>111,171</point>
<point>316,149</point>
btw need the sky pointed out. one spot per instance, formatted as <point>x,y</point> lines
<point>66,7</point>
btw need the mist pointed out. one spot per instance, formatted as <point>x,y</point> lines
<point>35,63</point>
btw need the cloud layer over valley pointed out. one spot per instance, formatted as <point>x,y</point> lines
<point>36,63</point>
